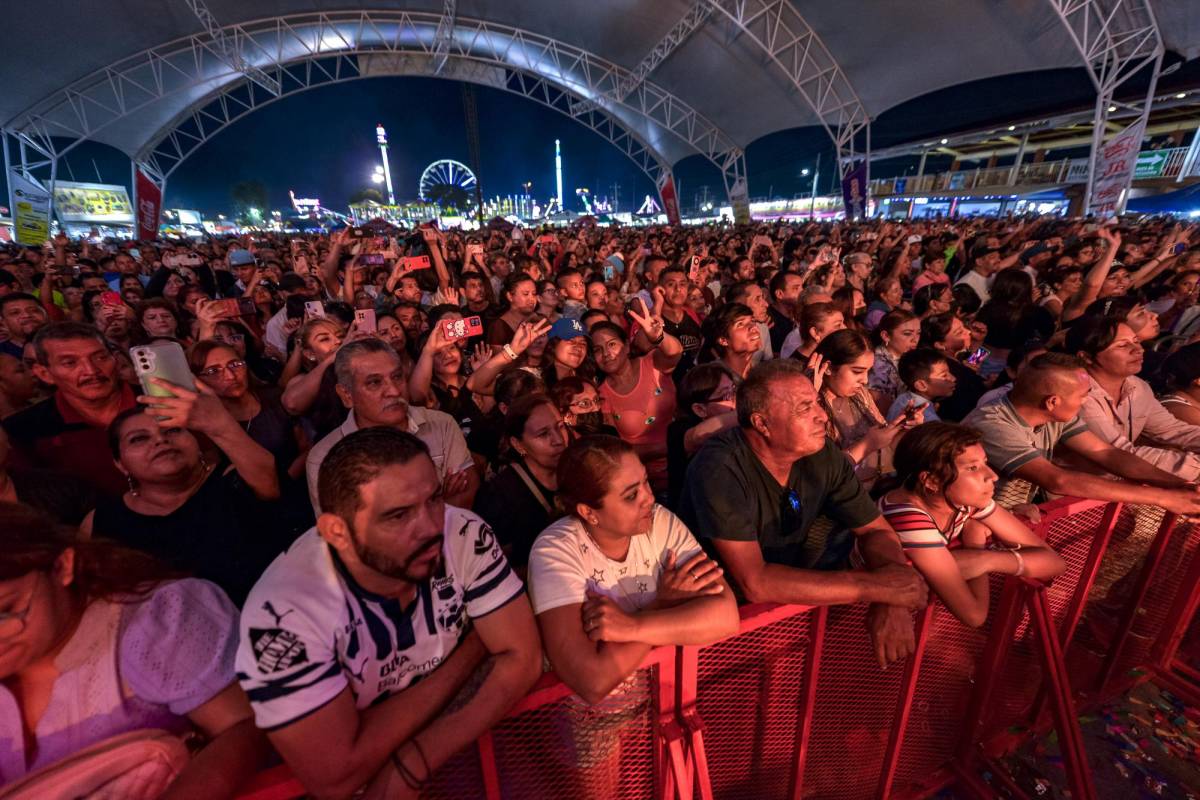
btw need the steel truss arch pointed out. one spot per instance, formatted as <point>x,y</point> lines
<point>782,33</point>
<point>1117,39</point>
<point>192,129</point>
<point>584,79</point>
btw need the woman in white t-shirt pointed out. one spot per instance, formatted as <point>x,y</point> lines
<point>620,574</point>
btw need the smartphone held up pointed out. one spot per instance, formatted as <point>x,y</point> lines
<point>165,361</point>
<point>455,329</point>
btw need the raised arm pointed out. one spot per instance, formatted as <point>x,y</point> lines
<point>329,267</point>
<point>421,381</point>
<point>1162,260</point>
<point>1094,278</point>
<point>433,243</point>
<point>483,379</point>
<point>652,335</point>
<point>202,411</point>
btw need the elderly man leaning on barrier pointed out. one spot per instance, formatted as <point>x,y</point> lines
<point>1021,431</point>
<point>389,636</point>
<point>754,491</point>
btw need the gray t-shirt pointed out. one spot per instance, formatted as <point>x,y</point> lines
<point>1010,442</point>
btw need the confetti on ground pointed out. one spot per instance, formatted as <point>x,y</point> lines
<point>1144,746</point>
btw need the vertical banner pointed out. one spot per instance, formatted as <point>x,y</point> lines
<point>666,191</point>
<point>149,206</point>
<point>739,198</point>
<point>30,211</point>
<point>1115,164</point>
<point>854,191</point>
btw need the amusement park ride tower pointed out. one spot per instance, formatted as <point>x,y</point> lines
<point>381,138</point>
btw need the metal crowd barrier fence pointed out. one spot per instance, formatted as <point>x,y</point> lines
<point>795,706</point>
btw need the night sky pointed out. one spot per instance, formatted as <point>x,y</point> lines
<point>322,142</point>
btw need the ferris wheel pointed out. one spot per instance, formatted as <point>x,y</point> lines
<point>447,181</point>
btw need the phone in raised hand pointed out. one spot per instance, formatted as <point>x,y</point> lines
<point>978,357</point>
<point>163,360</point>
<point>414,263</point>
<point>364,320</point>
<point>455,329</point>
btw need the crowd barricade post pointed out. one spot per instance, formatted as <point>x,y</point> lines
<point>750,699</point>
<point>794,704</point>
<point>1153,560</point>
<point>1170,658</point>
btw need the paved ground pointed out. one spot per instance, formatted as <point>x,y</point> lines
<point>1144,746</point>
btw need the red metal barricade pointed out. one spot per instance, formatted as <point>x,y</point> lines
<point>794,705</point>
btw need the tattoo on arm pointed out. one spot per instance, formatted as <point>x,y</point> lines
<point>471,688</point>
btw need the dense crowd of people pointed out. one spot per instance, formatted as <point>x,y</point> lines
<point>340,499</point>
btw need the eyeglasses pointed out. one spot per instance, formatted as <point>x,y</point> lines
<point>216,370</point>
<point>721,397</point>
<point>13,623</point>
<point>230,337</point>
<point>586,404</point>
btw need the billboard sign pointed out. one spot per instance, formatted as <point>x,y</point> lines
<point>31,210</point>
<point>92,202</point>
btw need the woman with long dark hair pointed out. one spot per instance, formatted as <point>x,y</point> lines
<point>520,302</point>
<point>1012,318</point>
<point>896,334</point>
<point>638,392</point>
<point>99,642</point>
<point>855,424</point>
<point>519,502</point>
<point>852,303</point>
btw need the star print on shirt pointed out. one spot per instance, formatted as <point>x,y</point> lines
<point>583,547</point>
<point>624,570</point>
<point>643,587</point>
<point>646,563</point>
<point>598,575</point>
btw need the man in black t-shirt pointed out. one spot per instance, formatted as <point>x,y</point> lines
<point>678,318</point>
<point>783,296</point>
<point>753,492</point>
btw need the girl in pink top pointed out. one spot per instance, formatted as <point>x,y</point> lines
<point>935,272</point>
<point>638,393</point>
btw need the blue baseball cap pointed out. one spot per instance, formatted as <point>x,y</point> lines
<point>241,258</point>
<point>567,329</point>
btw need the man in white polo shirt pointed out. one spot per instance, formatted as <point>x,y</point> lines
<point>984,266</point>
<point>372,383</point>
<point>389,636</point>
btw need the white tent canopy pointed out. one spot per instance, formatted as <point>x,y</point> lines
<point>128,72</point>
